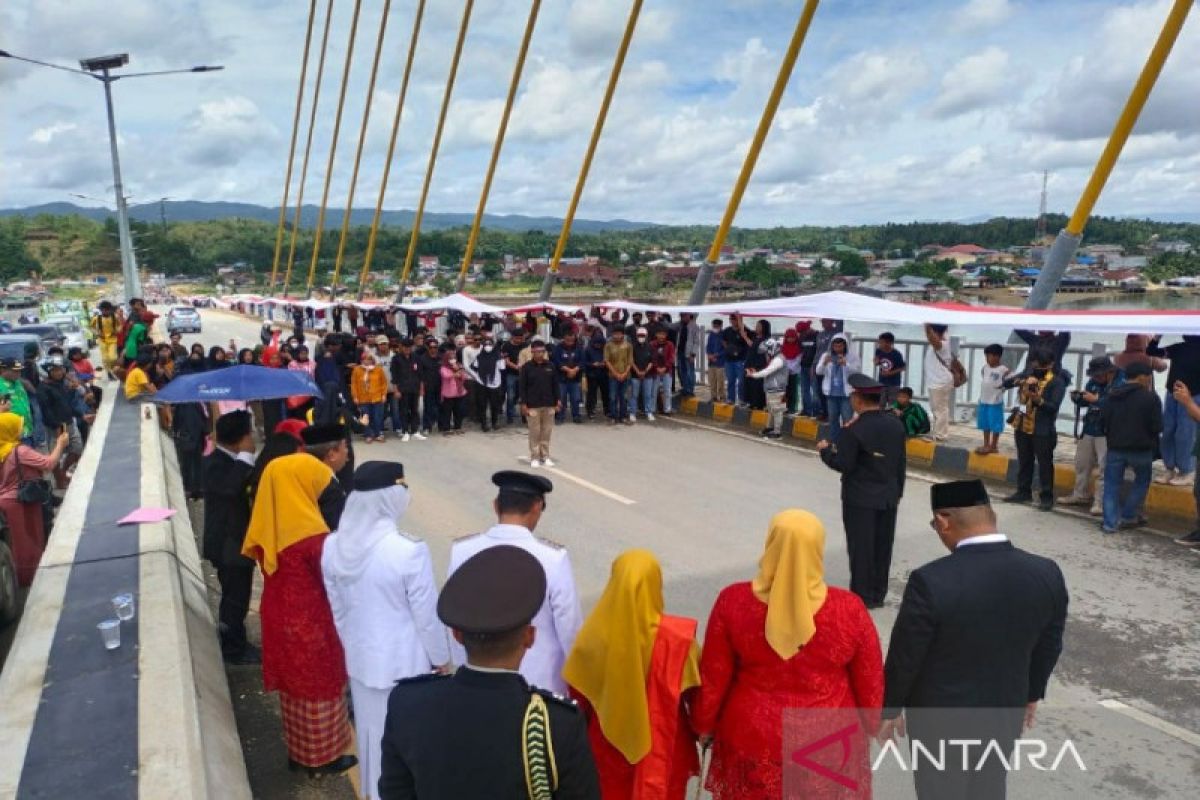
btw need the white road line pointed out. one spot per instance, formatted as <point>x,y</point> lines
<point>1182,734</point>
<point>600,490</point>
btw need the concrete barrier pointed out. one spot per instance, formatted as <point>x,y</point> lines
<point>152,718</point>
<point>1170,501</point>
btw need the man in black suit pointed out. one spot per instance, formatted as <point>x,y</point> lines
<point>484,732</point>
<point>978,634</point>
<point>872,457</point>
<point>328,444</point>
<point>226,516</point>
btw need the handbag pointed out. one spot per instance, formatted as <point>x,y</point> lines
<point>35,491</point>
<point>958,372</point>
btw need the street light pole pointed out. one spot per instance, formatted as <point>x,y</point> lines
<point>129,270</point>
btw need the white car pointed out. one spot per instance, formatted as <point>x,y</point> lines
<point>183,319</point>
<point>73,333</point>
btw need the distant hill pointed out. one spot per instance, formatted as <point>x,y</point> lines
<point>198,211</point>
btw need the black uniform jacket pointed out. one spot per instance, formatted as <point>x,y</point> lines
<point>979,628</point>
<point>226,507</point>
<point>460,737</point>
<point>872,458</point>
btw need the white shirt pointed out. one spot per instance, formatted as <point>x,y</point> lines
<point>387,617</point>
<point>557,621</point>
<point>984,538</point>
<point>938,375</point>
<point>991,389</point>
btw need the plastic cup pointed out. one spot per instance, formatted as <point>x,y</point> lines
<point>123,605</point>
<point>110,632</point>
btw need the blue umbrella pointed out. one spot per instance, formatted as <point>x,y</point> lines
<point>243,382</point>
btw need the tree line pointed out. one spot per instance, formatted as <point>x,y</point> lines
<point>72,246</point>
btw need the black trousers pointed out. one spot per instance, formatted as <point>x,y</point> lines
<point>451,413</point>
<point>1037,447</point>
<point>756,394</point>
<point>489,400</point>
<point>237,583</point>
<point>410,415</point>
<point>597,386</point>
<point>870,533</point>
<point>941,729</point>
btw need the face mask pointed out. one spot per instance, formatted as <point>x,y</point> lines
<point>487,348</point>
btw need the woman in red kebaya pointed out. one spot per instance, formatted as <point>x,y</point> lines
<point>787,641</point>
<point>633,670</point>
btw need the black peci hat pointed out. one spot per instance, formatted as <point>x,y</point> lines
<point>323,434</point>
<point>958,494</point>
<point>864,384</point>
<point>494,591</point>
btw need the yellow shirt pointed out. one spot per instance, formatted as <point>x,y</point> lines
<point>137,383</point>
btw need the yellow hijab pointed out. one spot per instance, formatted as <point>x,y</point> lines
<point>11,426</point>
<point>611,658</point>
<point>285,508</point>
<point>791,579</point>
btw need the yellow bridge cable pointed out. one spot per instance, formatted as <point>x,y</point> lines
<point>287,179</point>
<point>437,141</point>
<point>337,129</point>
<point>387,164</point>
<point>496,148</point>
<point>1129,116</point>
<point>362,138</point>
<point>312,124</point>
<point>764,127</point>
<point>569,220</point>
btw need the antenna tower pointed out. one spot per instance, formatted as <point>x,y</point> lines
<point>1041,222</point>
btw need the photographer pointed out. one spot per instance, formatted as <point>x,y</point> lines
<point>1042,391</point>
<point>1091,447</point>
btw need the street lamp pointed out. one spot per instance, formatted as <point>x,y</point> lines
<point>100,68</point>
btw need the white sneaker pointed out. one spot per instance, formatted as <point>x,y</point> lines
<point>406,437</point>
<point>534,463</point>
<point>418,436</point>
<point>649,417</point>
<point>630,419</point>
<point>549,463</point>
<point>1183,479</point>
<point>1166,477</point>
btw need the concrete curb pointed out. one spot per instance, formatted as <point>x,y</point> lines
<point>1171,501</point>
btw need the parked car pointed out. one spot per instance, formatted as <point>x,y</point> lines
<point>10,599</point>
<point>49,335</point>
<point>20,346</point>
<point>183,319</point>
<point>75,334</point>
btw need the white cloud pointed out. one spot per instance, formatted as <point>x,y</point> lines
<point>976,82</point>
<point>979,14</point>
<point>46,135</point>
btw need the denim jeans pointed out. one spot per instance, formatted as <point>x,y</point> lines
<point>808,402</point>
<point>1178,436</point>
<point>839,413</point>
<point>664,383</point>
<point>431,410</point>
<point>510,392</point>
<point>618,399</point>
<point>735,374</point>
<point>570,393</point>
<point>1141,462</point>
<point>687,374</point>
<point>374,412</point>
<point>642,395</point>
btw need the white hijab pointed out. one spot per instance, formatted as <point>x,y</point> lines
<point>368,518</point>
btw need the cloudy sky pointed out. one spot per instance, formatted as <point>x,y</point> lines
<point>897,110</point>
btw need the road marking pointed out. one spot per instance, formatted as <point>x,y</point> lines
<point>1182,734</point>
<point>600,490</point>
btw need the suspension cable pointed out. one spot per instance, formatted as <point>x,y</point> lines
<point>312,124</point>
<point>433,153</point>
<point>337,129</point>
<point>362,138</point>
<point>287,180</point>
<point>491,170</point>
<point>764,127</point>
<point>387,164</point>
<point>597,129</point>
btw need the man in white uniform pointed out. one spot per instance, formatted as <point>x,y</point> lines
<point>519,506</point>
<point>384,601</point>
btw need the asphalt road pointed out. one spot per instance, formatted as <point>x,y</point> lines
<point>1126,691</point>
